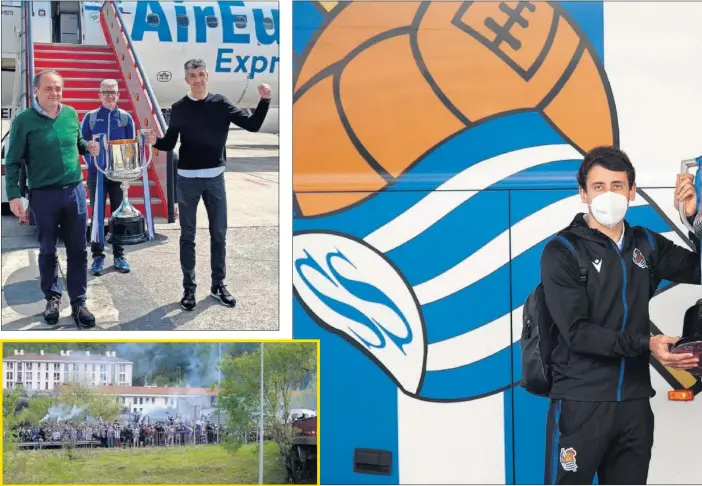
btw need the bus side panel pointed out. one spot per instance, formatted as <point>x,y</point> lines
<point>359,404</point>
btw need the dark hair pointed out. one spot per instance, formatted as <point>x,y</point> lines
<point>37,78</point>
<point>194,64</point>
<point>608,157</point>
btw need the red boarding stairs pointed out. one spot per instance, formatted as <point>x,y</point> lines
<point>83,67</point>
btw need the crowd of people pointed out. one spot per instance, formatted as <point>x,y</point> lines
<point>103,434</point>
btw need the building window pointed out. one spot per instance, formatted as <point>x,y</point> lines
<point>29,366</point>
<point>10,365</point>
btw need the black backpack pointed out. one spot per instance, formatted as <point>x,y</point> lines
<point>539,332</point>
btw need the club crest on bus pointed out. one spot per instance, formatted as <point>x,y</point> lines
<point>353,290</point>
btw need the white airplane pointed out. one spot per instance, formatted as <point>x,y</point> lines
<point>239,42</point>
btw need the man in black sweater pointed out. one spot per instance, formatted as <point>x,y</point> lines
<point>202,119</point>
<point>600,419</point>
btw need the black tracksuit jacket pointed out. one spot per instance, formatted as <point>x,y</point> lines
<point>603,347</point>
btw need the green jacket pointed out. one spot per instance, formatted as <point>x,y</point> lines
<point>49,147</point>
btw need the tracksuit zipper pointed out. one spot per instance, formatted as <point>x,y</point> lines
<point>626,315</point>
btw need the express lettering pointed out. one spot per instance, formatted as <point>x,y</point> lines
<point>231,18</point>
<point>227,62</point>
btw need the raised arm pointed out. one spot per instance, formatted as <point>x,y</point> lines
<point>251,123</point>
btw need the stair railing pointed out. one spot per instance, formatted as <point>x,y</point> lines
<point>147,110</point>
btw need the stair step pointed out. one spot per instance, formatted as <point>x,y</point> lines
<point>68,100</point>
<point>58,46</point>
<point>91,65</point>
<point>74,54</point>
<point>95,74</point>
<point>70,72</point>
<point>136,201</point>
<point>82,105</point>
<point>133,185</point>
<point>81,94</point>
<point>73,82</point>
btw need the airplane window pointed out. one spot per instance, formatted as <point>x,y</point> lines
<point>268,23</point>
<point>182,20</point>
<point>153,20</point>
<point>240,22</point>
<point>211,21</point>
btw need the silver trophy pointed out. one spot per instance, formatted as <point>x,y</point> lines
<point>125,161</point>
<point>691,341</point>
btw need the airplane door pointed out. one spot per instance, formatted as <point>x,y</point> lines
<point>67,23</point>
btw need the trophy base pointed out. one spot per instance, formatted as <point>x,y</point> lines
<point>127,231</point>
<point>690,345</point>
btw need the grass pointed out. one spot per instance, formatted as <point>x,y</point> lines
<point>205,464</point>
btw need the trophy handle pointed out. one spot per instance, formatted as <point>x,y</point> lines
<point>96,138</point>
<point>143,145</point>
<point>685,166</point>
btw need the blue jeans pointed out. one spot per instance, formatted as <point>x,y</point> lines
<point>213,194</point>
<point>62,212</point>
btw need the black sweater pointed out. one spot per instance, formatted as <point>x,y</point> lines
<point>203,127</point>
<point>603,347</point>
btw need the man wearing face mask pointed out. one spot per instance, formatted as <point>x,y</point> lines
<point>600,419</point>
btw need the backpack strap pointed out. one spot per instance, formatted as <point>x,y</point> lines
<point>567,240</point>
<point>123,118</point>
<point>92,116</point>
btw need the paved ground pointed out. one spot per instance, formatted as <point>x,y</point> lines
<point>148,297</point>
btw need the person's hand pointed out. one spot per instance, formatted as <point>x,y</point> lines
<point>17,208</point>
<point>93,148</point>
<point>265,91</point>
<point>685,192</point>
<point>660,348</point>
<point>150,137</point>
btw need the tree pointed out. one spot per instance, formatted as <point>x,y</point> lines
<point>89,401</point>
<point>286,367</point>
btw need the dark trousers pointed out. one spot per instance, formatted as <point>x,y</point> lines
<point>114,190</point>
<point>612,439</point>
<point>215,198</point>
<point>62,212</point>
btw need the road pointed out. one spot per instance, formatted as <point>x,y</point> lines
<point>148,298</point>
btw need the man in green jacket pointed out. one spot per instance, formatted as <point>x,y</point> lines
<point>48,138</point>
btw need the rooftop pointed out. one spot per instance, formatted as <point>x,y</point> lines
<point>156,390</point>
<point>66,356</point>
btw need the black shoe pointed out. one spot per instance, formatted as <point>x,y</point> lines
<point>188,300</point>
<point>83,317</point>
<point>51,313</point>
<point>220,292</point>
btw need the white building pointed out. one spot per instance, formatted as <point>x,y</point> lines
<point>47,371</point>
<point>186,402</point>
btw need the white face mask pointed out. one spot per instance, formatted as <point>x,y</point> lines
<point>609,208</point>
